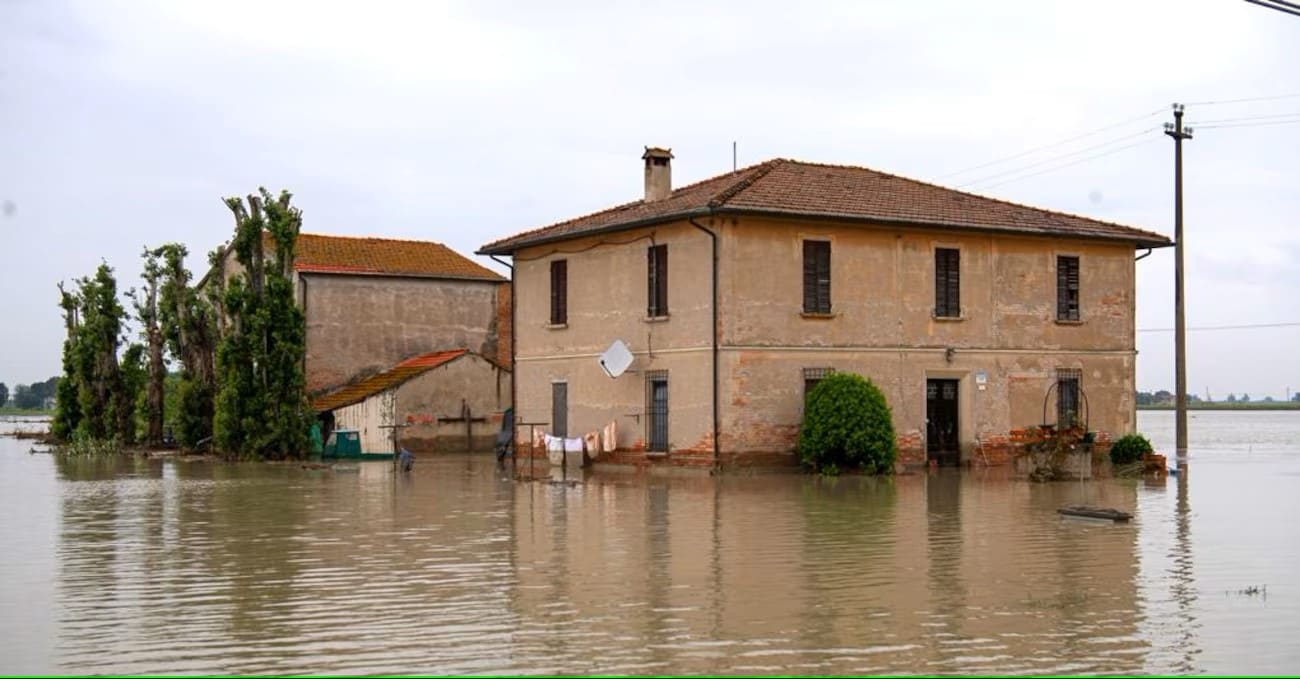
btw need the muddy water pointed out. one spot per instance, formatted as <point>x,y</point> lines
<point>134,566</point>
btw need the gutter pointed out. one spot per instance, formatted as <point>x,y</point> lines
<point>514,342</point>
<point>713,236</point>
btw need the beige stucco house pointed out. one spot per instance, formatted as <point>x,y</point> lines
<point>975,316</point>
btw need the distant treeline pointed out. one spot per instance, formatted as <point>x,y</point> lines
<point>1164,399</point>
<point>34,396</point>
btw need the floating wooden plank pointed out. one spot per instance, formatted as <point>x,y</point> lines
<point>1088,512</point>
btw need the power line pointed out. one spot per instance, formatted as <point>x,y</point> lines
<point>1063,142</point>
<point>1248,326</point>
<point>1279,5</point>
<point>1048,161</point>
<point>1266,124</point>
<point>1217,102</point>
<point>1271,116</point>
<point>1065,165</point>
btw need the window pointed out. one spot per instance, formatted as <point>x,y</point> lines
<point>1067,397</point>
<point>811,376</point>
<point>1067,288</point>
<point>816,277</point>
<point>559,292</point>
<point>656,406</point>
<point>657,281</point>
<point>947,282</point>
<point>560,409</point>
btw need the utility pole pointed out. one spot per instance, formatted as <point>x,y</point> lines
<point>1176,130</point>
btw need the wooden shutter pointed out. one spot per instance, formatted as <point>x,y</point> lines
<point>559,292</point>
<point>947,282</point>
<point>1067,288</point>
<point>657,281</point>
<point>816,277</point>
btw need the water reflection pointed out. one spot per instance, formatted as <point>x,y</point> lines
<point>456,568</point>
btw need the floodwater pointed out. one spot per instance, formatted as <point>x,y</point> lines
<point>149,566</point>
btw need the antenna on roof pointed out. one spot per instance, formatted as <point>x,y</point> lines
<point>733,156</point>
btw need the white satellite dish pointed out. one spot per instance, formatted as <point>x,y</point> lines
<point>616,359</point>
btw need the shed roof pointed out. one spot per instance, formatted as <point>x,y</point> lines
<point>321,253</point>
<point>365,388</point>
<point>793,188</point>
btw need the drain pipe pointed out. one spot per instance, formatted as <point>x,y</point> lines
<point>1143,255</point>
<point>514,376</point>
<point>713,236</point>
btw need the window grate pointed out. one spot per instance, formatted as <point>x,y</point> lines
<point>656,396</point>
<point>1068,381</point>
<point>811,376</point>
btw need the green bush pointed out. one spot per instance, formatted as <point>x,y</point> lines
<point>1129,449</point>
<point>847,424</point>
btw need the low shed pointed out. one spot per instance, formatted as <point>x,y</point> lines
<point>438,401</point>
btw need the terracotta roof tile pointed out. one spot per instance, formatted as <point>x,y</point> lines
<point>365,388</point>
<point>840,192</point>
<point>347,254</point>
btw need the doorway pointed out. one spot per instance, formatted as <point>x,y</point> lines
<point>941,443</point>
<point>559,409</point>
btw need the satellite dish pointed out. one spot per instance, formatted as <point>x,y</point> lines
<point>616,359</point>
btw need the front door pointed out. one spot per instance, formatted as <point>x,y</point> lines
<point>941,444</point>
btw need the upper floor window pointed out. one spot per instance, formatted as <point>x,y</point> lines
<point>947,282</point>
<point>816,277</point>
<point>559,292</point>
<point>657,281</point>
<point>1067,288</point>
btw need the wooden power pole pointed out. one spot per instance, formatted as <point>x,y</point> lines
<point>1176,130</point>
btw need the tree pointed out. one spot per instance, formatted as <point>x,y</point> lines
<point>1232,398</point>
<point>1245,398</point>
<point>4,394</point>
<point>847,423</point>
<point>146,311</point>
<point>1145,398</point>
<point>1296,398</point>
<point>1268,399</point>
<point>188,328</point>
<point>261,405</point>
<point>92,402</point>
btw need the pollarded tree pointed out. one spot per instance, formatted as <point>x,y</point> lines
<point>847,424</point>
<point>261,405</point>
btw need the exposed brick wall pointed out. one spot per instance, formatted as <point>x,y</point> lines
<point>504,330</point>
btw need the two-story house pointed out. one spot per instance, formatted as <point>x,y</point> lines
<point>975,316</point>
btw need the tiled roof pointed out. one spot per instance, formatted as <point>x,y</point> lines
<point>837,192</point>
<point>365,388</point>
<point>348,254</point>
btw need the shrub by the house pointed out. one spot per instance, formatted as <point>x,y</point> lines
<point>1129,449</point>
<point>847,424</point>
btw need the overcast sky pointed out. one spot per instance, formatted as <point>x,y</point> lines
<point>123,123</point>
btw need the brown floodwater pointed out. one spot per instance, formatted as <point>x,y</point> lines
<point>153,566</point>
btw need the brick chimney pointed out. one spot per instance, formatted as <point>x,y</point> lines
<point>658,173</point>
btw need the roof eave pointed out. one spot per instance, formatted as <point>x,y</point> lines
<point>397,274</point>
<point>1137,240</point>
<point>503,247</point>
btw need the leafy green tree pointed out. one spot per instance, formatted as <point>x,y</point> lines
<point>188,326</point>
<point>1245,398</point>
<point>847,424</point>
<point>146,311</point>
<point>4,394</point>
<point>1232,398</point>
<point>92,402</point>
<point>261,404</point>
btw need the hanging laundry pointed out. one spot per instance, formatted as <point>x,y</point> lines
<point>611,436</point>
<point>591,442</point>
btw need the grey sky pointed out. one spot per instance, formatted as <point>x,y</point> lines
<point>122,123</point>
